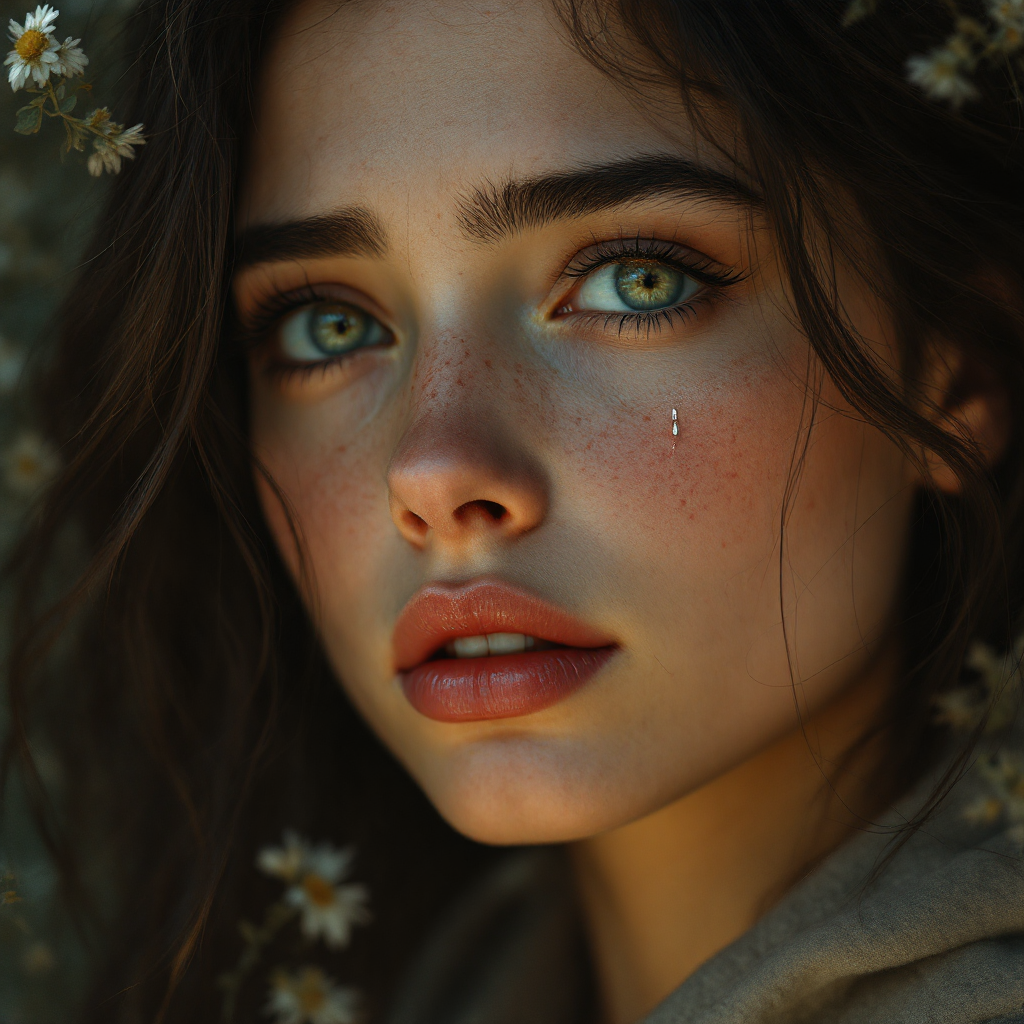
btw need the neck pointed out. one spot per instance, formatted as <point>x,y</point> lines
<point>665,893</point>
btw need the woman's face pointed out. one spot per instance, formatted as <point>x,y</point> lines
<point>523,368</point>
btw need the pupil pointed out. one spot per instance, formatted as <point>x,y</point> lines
<point>335,330</point>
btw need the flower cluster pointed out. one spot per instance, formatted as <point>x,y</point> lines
<point>51,66</point>
<point>944,73</point>
<point>309,995</point>
<point>327,910</point>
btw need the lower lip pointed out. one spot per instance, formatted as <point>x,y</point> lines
<point>500,686</point>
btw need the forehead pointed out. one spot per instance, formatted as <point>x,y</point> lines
<point>403,106</point>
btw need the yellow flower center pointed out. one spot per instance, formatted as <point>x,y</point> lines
<point>311,991</point>
<point>26,466</point>
<point>312,1000</point>
<point>32,45</point>
<point>320,893</point>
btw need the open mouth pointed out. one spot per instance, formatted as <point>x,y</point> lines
<point>457,664</point>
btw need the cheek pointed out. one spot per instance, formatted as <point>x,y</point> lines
<point>327,459</point>
<point>689,527</point>
<point>715,477</point>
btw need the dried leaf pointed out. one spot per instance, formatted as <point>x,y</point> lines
<point>30,119</point>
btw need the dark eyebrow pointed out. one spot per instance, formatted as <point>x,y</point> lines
<point>353,231</point>
<point>495,212</point>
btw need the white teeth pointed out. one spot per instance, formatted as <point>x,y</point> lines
<point>506,643</point>
<point>492,643</point>
<point>470,647</point>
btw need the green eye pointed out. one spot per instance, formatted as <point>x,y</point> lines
<point>629,287</point>
<point>327,330</point>
<point>648,285</point>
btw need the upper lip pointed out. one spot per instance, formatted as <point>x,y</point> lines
<point>441,612</point>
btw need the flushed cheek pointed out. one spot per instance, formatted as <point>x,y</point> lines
<point>688,526</point>
<point>714,477</point>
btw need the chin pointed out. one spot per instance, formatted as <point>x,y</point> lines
<point>525,790</point>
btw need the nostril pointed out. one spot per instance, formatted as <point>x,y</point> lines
<point>414,524</point>
<point>492,511</point>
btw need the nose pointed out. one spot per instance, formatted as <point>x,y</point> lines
<point>458,479</point>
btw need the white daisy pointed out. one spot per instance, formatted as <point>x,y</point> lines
<point>1001,679</point>
<point>72,58</point>
<point>961,709</point>
<point>310,997</point>
<point>285,862</point>
<point>1007,12</point>
<point>111,148</point>
<point>1005,774</point>
<point>328,910</point>
<point>35,52</point>
<point>29,463</point>
<point>939,74</point>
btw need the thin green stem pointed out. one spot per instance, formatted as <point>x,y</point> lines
<point>256,940</point>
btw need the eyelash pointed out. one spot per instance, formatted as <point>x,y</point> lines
<point>262,319</point>
<point>259,322</point>
<point>670,254</point>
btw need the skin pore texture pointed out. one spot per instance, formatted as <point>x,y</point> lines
<point>500,424</point>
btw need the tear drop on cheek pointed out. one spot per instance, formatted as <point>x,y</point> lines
<point>675,428</point>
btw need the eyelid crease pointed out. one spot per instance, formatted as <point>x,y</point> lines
<point>701,267</point>
<point>256,322</point>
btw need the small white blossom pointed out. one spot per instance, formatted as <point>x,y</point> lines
<point>35,52</point>
<point>995,698</point>
<point>1006,12</point>
<point>310,997</point>
<point>960,709</point>
<point>72,58</point>
<point>285,862</point>
<point>1004,773</point>
<point>940,74</point>
<point>328,910</point>
<point>1001,679</point>
<point>110,148</point>
<point>29,463</point>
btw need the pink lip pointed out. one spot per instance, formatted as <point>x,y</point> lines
<point>502,686</point>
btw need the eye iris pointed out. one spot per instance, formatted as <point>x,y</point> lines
<point>338,328</point>
<point>648,285</point>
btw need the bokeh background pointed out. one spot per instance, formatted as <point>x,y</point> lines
<point>47,208</point>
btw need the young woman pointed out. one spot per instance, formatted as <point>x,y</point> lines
<point>613,403</point>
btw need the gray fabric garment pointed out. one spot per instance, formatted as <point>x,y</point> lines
<point>937,938</point>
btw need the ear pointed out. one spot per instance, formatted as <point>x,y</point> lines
<point>966,397</point>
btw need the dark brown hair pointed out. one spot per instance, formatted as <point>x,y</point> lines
<point>194,712</point>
